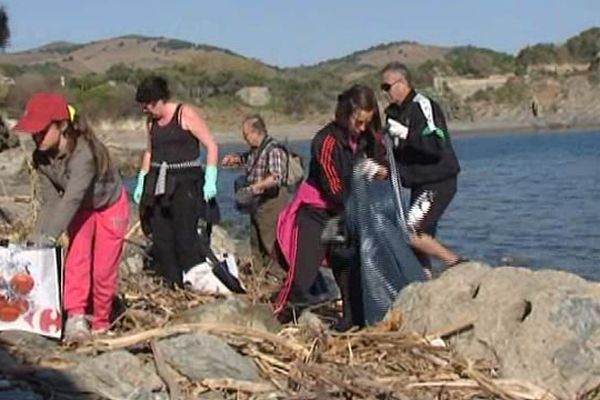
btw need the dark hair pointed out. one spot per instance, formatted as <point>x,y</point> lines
<point>256,122</point>
<point>152,88</point>
<point>358,97</point>
<point>398,68</point>
<point>79,128</point>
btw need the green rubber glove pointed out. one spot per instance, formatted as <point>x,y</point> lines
<point>210,182</point>
<point>139,187</point>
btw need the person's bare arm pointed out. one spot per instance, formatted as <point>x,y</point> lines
<point>191,120</point>
<point>147,156</point>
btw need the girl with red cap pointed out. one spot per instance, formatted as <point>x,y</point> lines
<point>81,193</point>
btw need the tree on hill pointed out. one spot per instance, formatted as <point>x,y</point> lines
<point>4,29</point>
<point>479,62</point>
<point>585,46</point>
<point>541,53</point>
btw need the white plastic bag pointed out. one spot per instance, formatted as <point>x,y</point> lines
<point>203,280</point>
<point>30,290</point>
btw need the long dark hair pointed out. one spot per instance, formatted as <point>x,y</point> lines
<point>358,97</point>
<point>79,128</point>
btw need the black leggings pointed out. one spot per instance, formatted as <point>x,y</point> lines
<point>343,260</point>
<point>176,244</point>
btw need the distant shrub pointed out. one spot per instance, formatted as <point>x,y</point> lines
<point>122,73</point>
<point>86,82</point>
<point>478,62</point>
<point>49,71</point>
<point>62,48</point>
<point>26,85</point>
<point>214,48</point>
<point>513,92</point>
<point>585,46</point>
<point>486,94</point>
<point>11,70</point>
<point>108,101</point>
<point>543,53</point>
<point>174,44</point>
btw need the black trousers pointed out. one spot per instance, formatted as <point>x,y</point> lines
<point>344,261</point>
<point>176,244</point>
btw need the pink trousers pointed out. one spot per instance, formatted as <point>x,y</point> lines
<point>92,262</point>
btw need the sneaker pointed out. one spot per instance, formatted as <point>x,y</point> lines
<point>76,329</point>
<point>102,331</point>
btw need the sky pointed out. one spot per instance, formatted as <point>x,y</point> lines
<point>303,32</point>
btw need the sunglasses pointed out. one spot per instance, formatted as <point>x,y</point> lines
<point>387,86</point>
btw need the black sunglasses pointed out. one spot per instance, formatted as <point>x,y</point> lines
<point>387,86</point>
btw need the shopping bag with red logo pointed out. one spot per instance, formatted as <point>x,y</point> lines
<point>30,290</point>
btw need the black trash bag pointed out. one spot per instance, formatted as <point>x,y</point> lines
<point>221,271</point>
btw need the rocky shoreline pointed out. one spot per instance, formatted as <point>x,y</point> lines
<point>481,332</point>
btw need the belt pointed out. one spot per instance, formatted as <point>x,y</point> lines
<point>163,167</point>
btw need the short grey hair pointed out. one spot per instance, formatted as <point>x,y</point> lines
<point>398,68</point>
<point>256,123</point>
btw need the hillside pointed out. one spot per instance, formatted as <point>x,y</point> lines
<point>475,85</point>
<point>365,62</point>
<point>133,51</point>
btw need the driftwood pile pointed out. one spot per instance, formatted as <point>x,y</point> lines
<point>308,362</point>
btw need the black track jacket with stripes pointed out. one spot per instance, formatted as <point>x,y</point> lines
<point>332,160</point>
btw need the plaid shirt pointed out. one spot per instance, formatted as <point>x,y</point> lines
<point>272,161</point>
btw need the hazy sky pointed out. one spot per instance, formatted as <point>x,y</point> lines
<point>294,32</point>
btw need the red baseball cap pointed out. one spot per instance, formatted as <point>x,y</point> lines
<point>41,110</point>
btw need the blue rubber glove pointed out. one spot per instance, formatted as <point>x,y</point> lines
<point>139,187</point>
<point>210,182</point>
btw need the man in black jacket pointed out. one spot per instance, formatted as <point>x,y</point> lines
<point>426,161</point>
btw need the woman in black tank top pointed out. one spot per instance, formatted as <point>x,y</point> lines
<point>172,187</point>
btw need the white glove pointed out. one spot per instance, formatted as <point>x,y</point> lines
<point>396,129</point>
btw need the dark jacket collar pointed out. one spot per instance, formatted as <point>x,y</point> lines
<point>408,100</point>
<point>398,111</point>
<point>342,136</point>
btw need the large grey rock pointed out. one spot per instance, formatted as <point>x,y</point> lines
<point>118,375</point>
<point>222,242</point>
<point>255,96</point>
<point>539,326</point>
<point>7,139</point>
<point>6,360</point>
<point>12,161</point>
<point>28,340</point>
<point>133,265</point>
<point>234,311</point>
<point>199,356</point>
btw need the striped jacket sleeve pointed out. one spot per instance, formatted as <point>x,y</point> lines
<point>325,152</point>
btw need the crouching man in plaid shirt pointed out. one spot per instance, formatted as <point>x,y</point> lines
<point>266,170</point>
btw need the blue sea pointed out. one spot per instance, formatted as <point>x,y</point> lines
<point>523,199</point>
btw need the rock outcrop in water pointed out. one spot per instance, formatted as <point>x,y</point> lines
<point>538,326</point>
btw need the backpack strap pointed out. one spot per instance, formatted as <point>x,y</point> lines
<point>259,151</point>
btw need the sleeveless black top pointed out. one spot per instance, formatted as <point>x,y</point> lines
<point>171,143</point>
